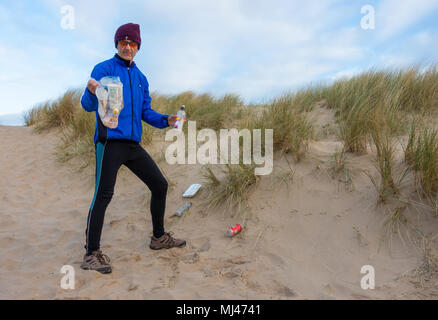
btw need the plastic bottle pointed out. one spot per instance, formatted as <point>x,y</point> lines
<point>101,93</point>
<point>110,96</point>
<point>183,208</point>
<point>180,118</point>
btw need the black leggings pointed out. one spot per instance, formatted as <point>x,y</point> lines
<point>109,157</point>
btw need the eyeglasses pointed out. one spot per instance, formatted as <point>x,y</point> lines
<point>130,43</point>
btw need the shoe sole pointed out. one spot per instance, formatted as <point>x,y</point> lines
<point>101,270</point>
<point>159,248</point>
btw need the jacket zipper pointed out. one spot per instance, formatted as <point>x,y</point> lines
<point>132,105</point>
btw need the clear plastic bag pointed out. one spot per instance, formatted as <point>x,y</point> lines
<point>110,96</point>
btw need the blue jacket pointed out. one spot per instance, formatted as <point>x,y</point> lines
<point>136,101</point>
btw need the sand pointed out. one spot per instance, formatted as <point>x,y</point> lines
<point>303,238</point>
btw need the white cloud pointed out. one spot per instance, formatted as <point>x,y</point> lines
<point>32,74</point>
<point>423,38</point>
<point>395,16</point>
<point>189,68</point>
<point>93,19</point>
<point>345,74</point>
<point>266,80</point>
<point>264,45</point>
<point>4,14</point>
<point>89,52</point>
<point>254,48</point>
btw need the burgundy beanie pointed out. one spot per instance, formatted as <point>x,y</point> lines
<point>129,31</point>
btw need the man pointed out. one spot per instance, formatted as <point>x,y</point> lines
<point>120,145</point>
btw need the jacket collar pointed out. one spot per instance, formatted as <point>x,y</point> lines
<point>122,61</point>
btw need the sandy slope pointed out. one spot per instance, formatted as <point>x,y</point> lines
<point>304,239</point>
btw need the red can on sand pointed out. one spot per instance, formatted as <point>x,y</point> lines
<point>234,230</point>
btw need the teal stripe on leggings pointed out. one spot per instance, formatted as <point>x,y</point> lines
<point>99,157</point>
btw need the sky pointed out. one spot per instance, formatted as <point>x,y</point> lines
<point>255,49</point>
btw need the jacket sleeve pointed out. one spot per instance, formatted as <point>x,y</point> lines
<point>88,100</point>
<point>149,115</point>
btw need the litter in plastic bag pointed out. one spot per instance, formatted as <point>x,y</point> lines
<point>110,96</point>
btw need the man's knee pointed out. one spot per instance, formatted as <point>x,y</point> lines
<point>160,189</point>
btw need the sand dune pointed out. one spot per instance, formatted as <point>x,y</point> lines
<point>305,239</point>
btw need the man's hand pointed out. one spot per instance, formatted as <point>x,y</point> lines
<point>171,120</point>
<point>92,85</point>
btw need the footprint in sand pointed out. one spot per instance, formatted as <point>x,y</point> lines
<point>285,291</point>
<point>276,259</point>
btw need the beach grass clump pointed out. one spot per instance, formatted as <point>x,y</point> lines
<point>208,111</point>
<point>231,186</point>
<point>77,139</point>
<point>307,98</point>
<point>417,89</point>
<point>396,223</point>
<point>214,113</point>
<point>354,127</point>
<point>414,89</point>
<point>55,114</point>
<point>340,168</point>
<point>292,130</point>
<point>147,134</point>
<point>358,123</point>
<point>384,97</point>
<point>421,155</point>
<point>390,173</point>
<point>35,114</point>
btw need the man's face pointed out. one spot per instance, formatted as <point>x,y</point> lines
<point>127,49</point>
